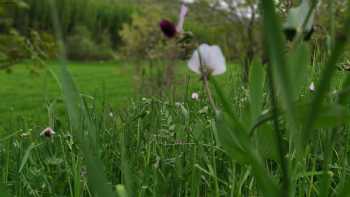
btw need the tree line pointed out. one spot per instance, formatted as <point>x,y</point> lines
<point>90,28</point>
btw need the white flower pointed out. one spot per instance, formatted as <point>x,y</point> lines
<point>182,16</point>
<point>48,132</point>
<point>210,58</point>
<point>195,96</point>
<point>312,87</point>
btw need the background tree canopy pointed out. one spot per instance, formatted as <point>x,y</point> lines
<point>101,30</point>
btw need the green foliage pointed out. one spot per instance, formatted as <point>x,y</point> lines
<point>13,46</point>
<point>80,46</point>
<point>142,36</point>
<point>298,146</point>
<point>101,21</point>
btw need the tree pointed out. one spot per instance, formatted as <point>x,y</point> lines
<point>12,44</point>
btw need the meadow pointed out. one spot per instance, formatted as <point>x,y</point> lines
<point>156,129</point>
<point>256,114</point>
<point>27,94</point>
<point>151,146</point>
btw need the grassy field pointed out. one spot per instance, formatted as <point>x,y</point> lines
<point>153,146</point>
<point>119,129</point>
<point>153,127</point>
<point>27,95</point>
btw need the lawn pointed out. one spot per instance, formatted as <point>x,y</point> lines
<point>147,142</point>
<point>150,141</point>
<point>27,95</point>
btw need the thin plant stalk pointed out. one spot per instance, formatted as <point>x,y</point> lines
<point>278,136</point>
<point>205,80</point>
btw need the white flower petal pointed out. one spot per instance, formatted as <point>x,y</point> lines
<point>209,56</point>
<point>312,87</point>
<point>216,61</point>
<point>182,16</point>
<point>194,63</point>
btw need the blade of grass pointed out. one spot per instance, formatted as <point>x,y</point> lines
<point>264,180</point>
<point>325,81</point>
<point>256,90</point>
<point>324,86</point>
<point>275,46</point>
<point>278,74</point>
<point>97,178</point>
<point>330,139</point>
<point>278,136</point>
<point>344,94</point>
<point>344,191</point>
<point>3,191</point>
<point>26,156</point>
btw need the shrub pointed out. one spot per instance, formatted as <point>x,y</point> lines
<point>142,38</point>
<point>13,48</point>
<point>80,46</point>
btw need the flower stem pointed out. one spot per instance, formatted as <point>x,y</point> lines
<point>205,75</point>
<point>210,95</point>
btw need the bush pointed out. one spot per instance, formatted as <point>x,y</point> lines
<point>44,44</point>
<point>80,46</point>
<point>142,38</point>
<point>13,48</point>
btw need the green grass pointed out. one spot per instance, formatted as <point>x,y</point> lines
<point>153,146</point>
<point>271,137</point>
<point>152,127</point>
<point>27,95</point>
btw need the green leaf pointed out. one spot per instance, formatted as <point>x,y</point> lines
<point>275,46</point>
<point>256,89</point>
<point>235,139</point>
<point>330,115</point>
<point>325,82</point>
<point>3,191</point>
<point>266,143</point>
<point>343,189</point>
<point>344,94</point>
<point>26,156</point>
<point>227,139</point>
<point>298,63</point>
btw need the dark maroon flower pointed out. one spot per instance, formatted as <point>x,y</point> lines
<point>168,28</point>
